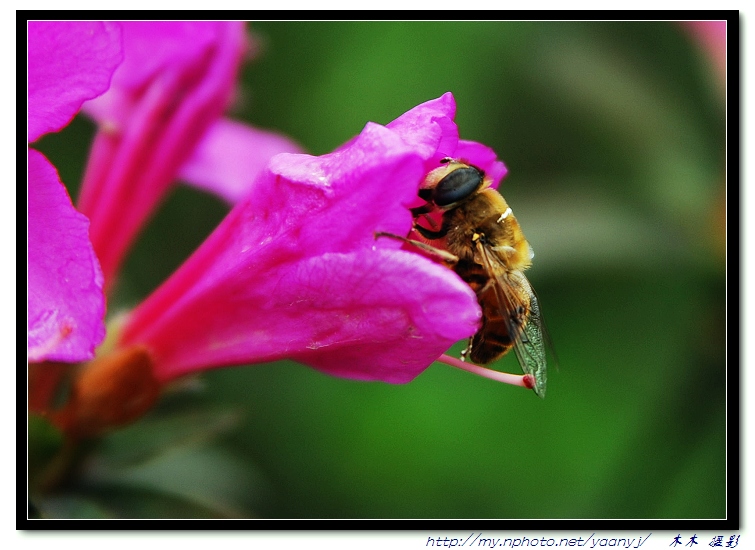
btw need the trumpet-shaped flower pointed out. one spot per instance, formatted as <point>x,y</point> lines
<point>175,81</point>
<point>158,112</point>
<point>159,117</point>
<point>295,271</point>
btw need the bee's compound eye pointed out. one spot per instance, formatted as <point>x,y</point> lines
<point>457,185</point>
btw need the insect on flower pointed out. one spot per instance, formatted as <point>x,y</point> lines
<point>485,246</point>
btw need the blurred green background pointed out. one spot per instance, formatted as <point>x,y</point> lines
<point>614,136</point>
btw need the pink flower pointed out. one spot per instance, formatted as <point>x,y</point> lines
<point>294,271</point>
<point>161,117</point>
<point>69,63</point>
<point>175,81</point>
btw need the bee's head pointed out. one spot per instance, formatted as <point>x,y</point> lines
<point>452,183</point>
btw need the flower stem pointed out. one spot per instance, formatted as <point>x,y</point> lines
<point>523,380</point>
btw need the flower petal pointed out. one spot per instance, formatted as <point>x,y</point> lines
<point>163,50</point>
<point>374,307</point>
<point>230,157</point>
<point>483,157</point>
<point>372,315</point>
<point>430,129</point>
<point>69,62</point>
<point>66,306</point>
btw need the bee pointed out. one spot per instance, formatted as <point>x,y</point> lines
<point>485,246</point>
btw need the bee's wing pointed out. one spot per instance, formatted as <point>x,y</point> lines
<point>530,346</point>
<point>529,343</point>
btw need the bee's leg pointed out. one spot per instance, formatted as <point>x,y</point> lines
<point>444,255</point>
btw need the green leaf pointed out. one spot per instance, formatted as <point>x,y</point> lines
<point>45,441</point>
